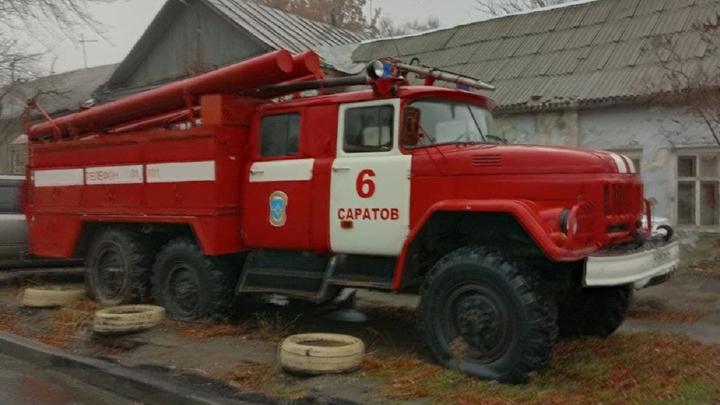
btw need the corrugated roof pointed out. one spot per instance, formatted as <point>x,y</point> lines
<point>281,30</point>
<point>56,93</point>
<point>589,52</point>
<point>269,27</point>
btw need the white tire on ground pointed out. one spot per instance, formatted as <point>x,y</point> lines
<point>127,318</point>
<point>51,296</point>
<point>321,353</point>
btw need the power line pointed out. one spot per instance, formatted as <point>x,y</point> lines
<point>84,41</point>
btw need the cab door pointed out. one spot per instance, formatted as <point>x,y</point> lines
<point>370,181</point>
<point>277,199</point>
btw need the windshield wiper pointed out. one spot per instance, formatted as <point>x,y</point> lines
<point>500,139</point>
<point>477,124</point>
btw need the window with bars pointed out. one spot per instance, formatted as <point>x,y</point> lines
<point>698,190</point>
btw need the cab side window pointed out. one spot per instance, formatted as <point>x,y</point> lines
<point>280,135</point>
<point>369,129</point>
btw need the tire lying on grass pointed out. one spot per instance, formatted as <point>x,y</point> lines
<point>321,353</point>
<point>51,296</point>
<point>127,318</point>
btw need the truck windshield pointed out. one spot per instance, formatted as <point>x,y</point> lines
<point>437,122</point>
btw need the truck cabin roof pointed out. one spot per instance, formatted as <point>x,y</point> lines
<point>404,92</point>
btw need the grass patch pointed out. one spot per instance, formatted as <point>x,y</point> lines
<point>273,326</point>
<point>638,368</point>
<point>288,393</point>
<point>267,326</point>
<point>66,322</point>
<point>201,331</point>
<point>9,321</point>
<point>251,377</point>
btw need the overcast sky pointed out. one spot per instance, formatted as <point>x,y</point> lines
<point>125,20</point>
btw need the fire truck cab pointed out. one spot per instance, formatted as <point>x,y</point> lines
<point>390,187</point>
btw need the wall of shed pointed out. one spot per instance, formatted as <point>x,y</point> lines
<point>655,135</point>
<point>9,130</point>
<point>197,41</point>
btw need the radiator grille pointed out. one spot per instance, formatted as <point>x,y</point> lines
<point>622,199</point>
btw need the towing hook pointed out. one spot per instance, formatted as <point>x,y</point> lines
<point>669,232</point>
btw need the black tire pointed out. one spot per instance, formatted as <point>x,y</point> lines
<point>118,267</point>
<point>192,286</point>
<point>507,328</point>
<point>593,311</point>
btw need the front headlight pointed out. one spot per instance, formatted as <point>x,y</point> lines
<point>574,226</point>
<point>564,220</point>
<point>568,222</point>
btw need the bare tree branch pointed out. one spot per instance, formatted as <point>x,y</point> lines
<point>347,14</point>
<point>388,28</point>
<point>66,14</point>
<point>65,17</point>
<point>687,81</point>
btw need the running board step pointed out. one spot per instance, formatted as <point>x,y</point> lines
<point>295,274</point>
<point>361,282</point>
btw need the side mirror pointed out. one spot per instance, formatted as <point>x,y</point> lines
<point>411,127</point>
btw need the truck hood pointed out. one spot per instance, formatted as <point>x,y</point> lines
<point>520,159</point>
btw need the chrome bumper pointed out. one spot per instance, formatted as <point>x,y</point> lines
<point>648,265</point>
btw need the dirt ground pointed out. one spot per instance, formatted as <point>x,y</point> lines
<point>668,351</point>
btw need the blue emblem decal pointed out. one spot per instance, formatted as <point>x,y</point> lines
<point>278,205</point>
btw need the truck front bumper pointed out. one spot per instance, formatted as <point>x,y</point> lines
<point>649,265</point>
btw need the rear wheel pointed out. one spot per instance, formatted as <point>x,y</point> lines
<point>593,311</point>
<point>192,286</point>
<point>485,316</point>
<point>118,267</point>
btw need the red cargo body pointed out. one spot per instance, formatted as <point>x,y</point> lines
<point>188,176</point>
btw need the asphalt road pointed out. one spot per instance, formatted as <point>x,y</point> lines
<point>23,383</point>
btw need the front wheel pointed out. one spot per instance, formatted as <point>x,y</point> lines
<point>487,317</point>
<point>593,311</point>
<point>190,285</point>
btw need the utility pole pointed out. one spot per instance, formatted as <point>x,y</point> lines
<point>84,41</point>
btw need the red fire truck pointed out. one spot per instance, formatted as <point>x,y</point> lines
<point>266,177</point>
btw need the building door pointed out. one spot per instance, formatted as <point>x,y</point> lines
<point>370,185</point>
